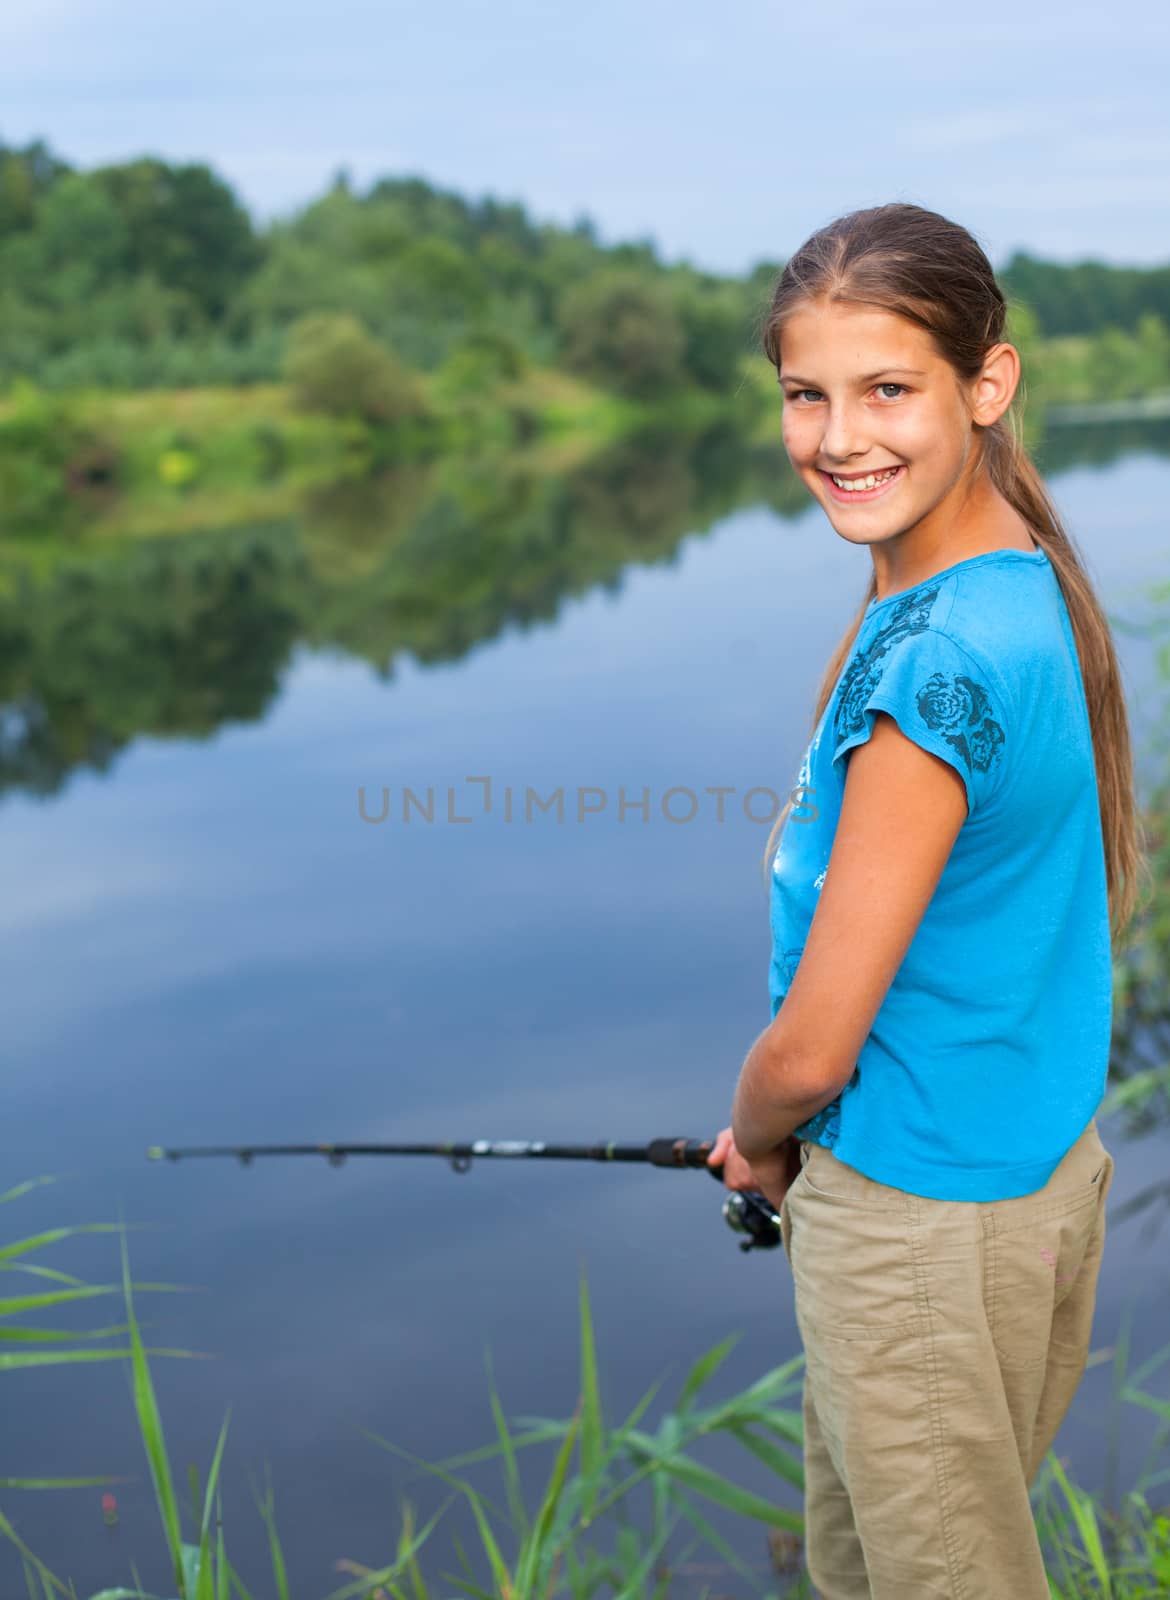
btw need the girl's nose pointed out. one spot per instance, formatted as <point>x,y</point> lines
<point>843,436</point>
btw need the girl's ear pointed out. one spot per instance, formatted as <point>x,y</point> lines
<point>993,390</point>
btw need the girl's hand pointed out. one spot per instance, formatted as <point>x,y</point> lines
<point>771,1176</point>
<point>776,1172</point>
<point>737,1174</point>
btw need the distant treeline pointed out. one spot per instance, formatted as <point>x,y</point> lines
<point>148,274</point>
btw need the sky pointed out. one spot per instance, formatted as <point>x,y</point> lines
<point>723,132</point>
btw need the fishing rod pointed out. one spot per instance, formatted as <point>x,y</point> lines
<point>745,1211</point>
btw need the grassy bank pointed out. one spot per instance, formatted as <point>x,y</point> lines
<point>169,461</point>
<point>92,462</point>
<point>623,1506</point>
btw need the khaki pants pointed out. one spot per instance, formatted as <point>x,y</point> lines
<point>944,1341</point>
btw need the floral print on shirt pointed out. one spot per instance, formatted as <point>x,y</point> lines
<point>951,704</point>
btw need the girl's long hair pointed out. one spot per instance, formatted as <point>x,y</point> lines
<point>919,265</point>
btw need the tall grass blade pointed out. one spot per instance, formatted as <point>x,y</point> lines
<point>491,1548</point>
<point>512,1486</point>
<point>699,1522</point>
<point>24,1188</point>
<point>13,1305</point>
<point>473,1589</point>
<point>646,1470</point>
<point>1084,1516</point>
<point>634,1587</point>
<point>222,1571</point>
<point>404,1561</point>
<point>438,1469</point>
<point>408,1547</point>
<point>17,1360</point>
<point>239,1588</point>
<point>33,1269</point>
<point>462,1554</point>
<point>777,1460</point>
<point>38,1241</point>
<point>476,1501</point>
<point>592,1425</point>
<point>190,1571</point>
<point>534,1546</point>
<point>705,1369</point>
<point>205,1590</point>
<point>540,1431</point>
<point>275,1551</point>
<point>58,1335</point>
<point>57,1483</point>
<point>712,1487</point>
<point>151,1429</point>
<point>34,1561</point>
<point>639,1410</point>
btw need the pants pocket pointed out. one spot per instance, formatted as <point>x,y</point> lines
<point>852,1267</point>
<point>1037,1262</point>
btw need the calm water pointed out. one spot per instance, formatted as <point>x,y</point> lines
<point>203,942</point>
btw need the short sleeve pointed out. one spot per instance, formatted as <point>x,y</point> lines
<point>941,697</point>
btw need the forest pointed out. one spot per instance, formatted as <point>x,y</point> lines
<point>148,274</point>
<point>167,363</point>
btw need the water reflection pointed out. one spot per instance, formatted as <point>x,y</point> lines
<point>241,960</point>
<point>179,638</point>
<point>182,636</point>
<point>1100,444</point>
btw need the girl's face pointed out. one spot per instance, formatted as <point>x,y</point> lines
<point>868,401</point>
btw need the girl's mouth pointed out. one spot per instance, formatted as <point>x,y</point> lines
<point>884,481</point>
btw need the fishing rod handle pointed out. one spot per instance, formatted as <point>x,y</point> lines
<point>682,1153</point>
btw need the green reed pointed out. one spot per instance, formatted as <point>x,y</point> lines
<point>582,1534</point>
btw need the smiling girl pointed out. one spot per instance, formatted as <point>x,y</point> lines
<point>944,909</point>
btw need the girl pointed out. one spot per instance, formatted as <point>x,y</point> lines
<point>944,901</point>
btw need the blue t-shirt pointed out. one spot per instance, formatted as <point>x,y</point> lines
<point>989,1053</point>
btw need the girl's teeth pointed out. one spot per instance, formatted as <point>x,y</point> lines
<point>871,482</point>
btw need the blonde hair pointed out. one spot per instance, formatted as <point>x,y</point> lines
<point>919,265</point>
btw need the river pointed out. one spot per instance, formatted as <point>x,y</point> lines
<point>204,942</point>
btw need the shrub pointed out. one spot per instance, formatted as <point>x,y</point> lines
<point>336,366</point>
<point>479,362</point>
<point>51,465</point>
<point>624,331</point>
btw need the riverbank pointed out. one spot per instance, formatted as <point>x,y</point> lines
<point>91,466</point>
<point>610,1517</point>
<point>163,462</point>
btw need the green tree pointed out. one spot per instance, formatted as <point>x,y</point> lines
<point>336,366</point>
<point>479,362</point>
<point>25,176</point>
<point>716,332</point>
<point>1087,296</point>
<point>81,242</point>
<point>1153,339</point>
<point>625,330</point>
<point>186,228</point>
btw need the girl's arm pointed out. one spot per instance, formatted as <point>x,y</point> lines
<point>900,816</point>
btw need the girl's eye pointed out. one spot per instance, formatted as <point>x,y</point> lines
<point>815,394</point>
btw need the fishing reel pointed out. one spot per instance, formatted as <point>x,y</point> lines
<point>745,1211</point>
<point>751,1214</point>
